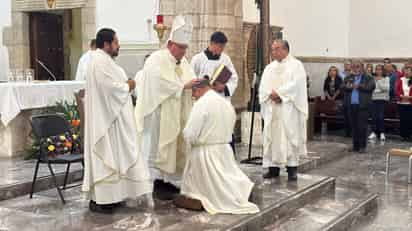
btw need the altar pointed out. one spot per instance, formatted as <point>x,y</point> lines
<point>19,100</point>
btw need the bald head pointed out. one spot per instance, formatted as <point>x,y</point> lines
<point>280,49</point>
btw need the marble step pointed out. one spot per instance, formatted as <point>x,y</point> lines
<point>17,175</point>
<point>343,210</point>
<point>276,199</point>
<point>18,179</point>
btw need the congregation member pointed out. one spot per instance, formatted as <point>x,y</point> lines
<point>332,85</point>
<point>393,78</point>
<point>407,64</point>
<point>206,62</point>
<point>380,98</point>
<point>163,104</point>
<point>404,93</point>
<point>398,72</point>
<point>84,62</point>
<point>113,169</point>
<point>347,70</point>
<point>284,108</point>
<point>212,178</point>
<point>358,89</point>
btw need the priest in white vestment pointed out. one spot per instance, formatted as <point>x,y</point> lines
<point>206,62</point>
<point>212,178</point>
<point>114,170</point>
<point>84,62</point>
<point>284,108</point>
<point>163,105</point>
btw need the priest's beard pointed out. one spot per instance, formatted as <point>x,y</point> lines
<point>114,51</point>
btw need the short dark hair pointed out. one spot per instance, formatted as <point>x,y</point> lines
<point>93,43</point>
<point>203,82</point>
<point>104,35</point>
<point>218,37</point>
<point>387,60</point>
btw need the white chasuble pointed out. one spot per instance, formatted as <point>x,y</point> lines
<point>212,174</point>
<point>162,109</point>
<point>82,66</point>
<point>284,134</point>
<point>114,170</point>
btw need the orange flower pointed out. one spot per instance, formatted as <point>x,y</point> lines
<point>68,144</point>
<point>75,123</point>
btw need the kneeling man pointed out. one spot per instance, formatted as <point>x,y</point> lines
<point>212,178</point>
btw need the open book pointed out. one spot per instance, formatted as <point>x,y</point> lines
<point>222,74</point>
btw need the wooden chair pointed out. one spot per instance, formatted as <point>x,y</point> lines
<point>400,153</point>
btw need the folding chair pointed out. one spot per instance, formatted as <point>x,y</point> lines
<point>399,153</point>
<point>45,126</point>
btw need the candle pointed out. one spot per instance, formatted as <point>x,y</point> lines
<point>157,7</point>
<point>159,19</point>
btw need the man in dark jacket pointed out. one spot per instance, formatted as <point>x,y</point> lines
<point>358,89</point>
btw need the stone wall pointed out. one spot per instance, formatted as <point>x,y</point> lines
<point>208,17</point>
<point>16,37</point>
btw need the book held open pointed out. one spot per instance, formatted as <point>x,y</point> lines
<point>222,74</point>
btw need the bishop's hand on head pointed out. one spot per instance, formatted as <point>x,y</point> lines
<point>189,84</point>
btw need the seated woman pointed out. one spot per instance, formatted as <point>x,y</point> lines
<point>380,97</point>
<point>404,94</point>
<point>332,85</point>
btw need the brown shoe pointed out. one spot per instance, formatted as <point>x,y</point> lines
<point>188,203</point>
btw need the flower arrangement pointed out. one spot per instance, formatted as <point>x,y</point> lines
<point>63,144</point>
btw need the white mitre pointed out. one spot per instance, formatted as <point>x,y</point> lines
<point>182,29</point>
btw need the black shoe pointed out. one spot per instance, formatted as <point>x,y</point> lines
<point>171,188</point>
<point>362,150</point>
<point>105,209</point>
<point>273,172</point>
<point>292,173</point>
<point>160,185</point>
<point>164,191</point>
<point>119,204</point>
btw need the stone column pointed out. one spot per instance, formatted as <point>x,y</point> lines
<point>207,17</point>
<point>88,14</point>
<point>16,39</point>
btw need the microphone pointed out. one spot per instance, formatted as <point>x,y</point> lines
<point>47,69</point>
